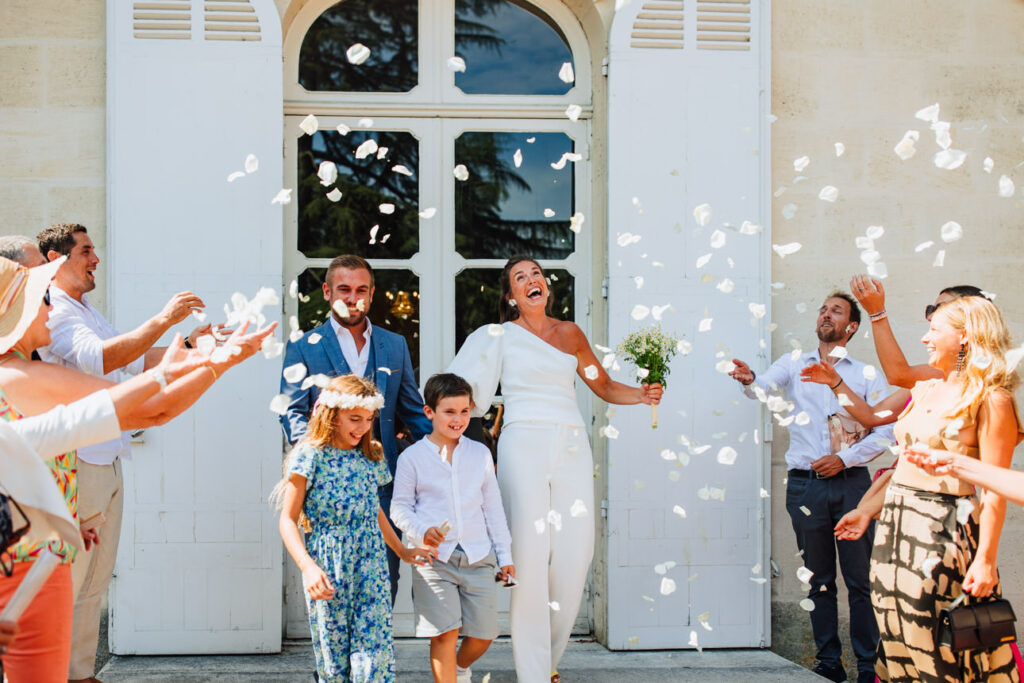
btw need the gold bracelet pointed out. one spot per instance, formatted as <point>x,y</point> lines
<point>215,375</point>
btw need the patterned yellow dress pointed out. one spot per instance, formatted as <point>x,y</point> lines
<point>926,538</point>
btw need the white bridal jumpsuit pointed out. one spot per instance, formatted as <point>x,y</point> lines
<point>545,473</point>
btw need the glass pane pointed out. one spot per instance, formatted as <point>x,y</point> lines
<point>510,48</point>
<point>387,27</point>
<point>477,291</point>
<point>395,306</point>
<point>327,228</point>
<point>500,209</point>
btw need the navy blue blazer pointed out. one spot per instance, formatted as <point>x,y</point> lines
<point>401,395</point>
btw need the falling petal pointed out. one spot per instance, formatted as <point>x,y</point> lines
<point>930,113</point>
<point>554,606</point>
<point>863,242</point>
<point>802,418</point>
<point>495,330</point>
<point>717,239</point>
<point>668,586</point>
<point>367,148</point>
<point>757,310</point>
<point>807,604</point>
<point>609,432</point>
<point>457,64</point>
<point>576,222</point>
<point>566,73</point>
<point>942,138</point>
<point>640,312</point>
<point>940,259</point>
<point>232,177</point>
<point>399,168</point>
<point>869,372</point>
<point>573,111</point>
<point>539,525</point>
<point>627,238</point>
<point>313,338</point>
<point>875,232</point>
<point>924,245</point>
<point>357,54</point>
<point>334,195</point>
<point>800,164</point>
<point>365,123</point>
<point>427,214</point>
<point>1006,188</point>
<point>386,209</point>
<point>988,164</point>
<point>725,286</point>
<point>639,281</point>
<point>309,125</point>
<point>252,164</point>
<point>340,309</point>
<point>840,149</point>
<point>725,366</point>
<point>693,641</point>
<point>279,404</point>
<point>788,211</point>
<point>951,231</point>
<point>905,148</point>
<point>658,311</point>
<point>590,372</point>
<point>461,172</point>
<point>679,511</point>
<point>704,325</point>
<point>703,260</point>
<point>805,510</point>
<point>373,234</point>
<point>327,172</point>
<point>803,574</point>
<point>684,347</point>
<point>578,509</point>
<point>293,374</point>
<point>829,193</point>
<point>702,214</point>
<point>727,456</point>
<point>950,159</point>
<point>549,213</point>
<point>784,250</point>
<point>517,158</point>
<point>343,129</point>
<point>964,508</point>
<point>869,256</point>
<point>981,362</point>
<point>555,519</point>
<point>283,197</point>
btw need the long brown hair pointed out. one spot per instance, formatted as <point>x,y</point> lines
<point>507,311</point>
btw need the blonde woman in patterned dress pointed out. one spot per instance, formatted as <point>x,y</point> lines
<point>936,538</point>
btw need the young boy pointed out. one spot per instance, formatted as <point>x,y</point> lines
<point>446,496</point>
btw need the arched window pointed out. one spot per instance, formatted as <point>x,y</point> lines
<point>446,122</point>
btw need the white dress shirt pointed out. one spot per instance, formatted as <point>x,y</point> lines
<point>77,333</point>
<point>356,360</point>
<point>464,491</point>
<point>810,441</point>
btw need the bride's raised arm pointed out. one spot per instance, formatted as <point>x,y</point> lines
<point>590,370</point>
<point>479,362</point>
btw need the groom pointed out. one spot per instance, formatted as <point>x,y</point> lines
<point>348,343</point>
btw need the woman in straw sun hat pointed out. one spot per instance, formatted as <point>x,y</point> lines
<point>41,651</point>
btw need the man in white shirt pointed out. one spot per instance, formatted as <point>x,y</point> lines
<point>82,338</point>
<point>823,484</point>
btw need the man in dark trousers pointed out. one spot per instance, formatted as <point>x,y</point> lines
<point>823,484</point>
<point>349,343</point>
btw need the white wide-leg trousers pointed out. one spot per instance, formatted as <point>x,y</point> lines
<point>546,473</point>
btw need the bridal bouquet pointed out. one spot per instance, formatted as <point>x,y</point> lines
<point>650,350</point>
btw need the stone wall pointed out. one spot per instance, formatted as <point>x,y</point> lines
<point>52,119</point>
<point>856,72</point>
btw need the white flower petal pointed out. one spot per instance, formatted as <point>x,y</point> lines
<point>840,149</point>
<point>757,310</point>
<point>725,285</point>
<point>988,164</point>
<point>293,374</point>
<point>940,259</point>
<point>282,197</point>
<point>829,193</point>
<point>327,172</point>
<point>232,177</point>
<point>367,148</point>
<point>1006,187</point>
<point>549,213</point>
<point>802,418</point>
<point>365,123</point>
<point>428,213</point>
<point>704,325</point>
<point>334,195</point>
<point>399,168</point>
<point>788,211</point>
<point>578,509</point>
<point>703,260</point>
<point>252,164</point>
<point>658,311</point>
<point>279,404</point>
<point>313,338</point>
<point>964,508</point>
<point>609,432</point>
<point>684,347</point>
<point>930,113</point>
<point>717,239</point>
<point>457,64</point>
<point>803,574</point>
<point>517,158</point>
<point>566,73</point>
<point>340,308</point>
<point>702,214</point>
<point>461,172</point>
<point>668,586</point>
<point>863,242</point>
<point>942,138</point>
<point>495,330</point>
<point>573,112</point>
<point>576,222</point>
<point>727,455</point>
<point>693,641</point>
<point>800,164</point>
<point>555,519</point>
<point>590,372</point>
<point>343,129</point>
<point>869,256</point>
<point>784,250</point>
<point>950,159</point>
<point>804,509</point>
<point>554,606</point>
<point>905,148</point>
<point>951,231</point>
<point>875,232</point>
<point>750,228</point>
<point>725,366</point>
<point>309,125</point>
<point>357,54</point>
<point>807,604</point>
<point>869,372</point>
<point>679,511</point>
<point>386,209</point>
<point>924,245</point>
<point>638,280</point>
<point>539,525</point>
<point>640,312</point>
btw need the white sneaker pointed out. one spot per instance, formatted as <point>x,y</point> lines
<point>463,675</point>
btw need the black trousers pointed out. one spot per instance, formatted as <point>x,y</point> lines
<point>827,500</point>
<point>385,492</point>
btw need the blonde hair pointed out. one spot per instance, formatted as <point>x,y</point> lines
<point>320,431</point>
<point>984,365</point>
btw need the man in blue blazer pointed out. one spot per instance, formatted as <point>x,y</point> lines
<point>349,343</point>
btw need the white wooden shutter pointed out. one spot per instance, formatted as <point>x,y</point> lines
<point>688,110</point>
<point>199,566</point>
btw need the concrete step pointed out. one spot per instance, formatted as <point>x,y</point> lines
<point>584,661</point>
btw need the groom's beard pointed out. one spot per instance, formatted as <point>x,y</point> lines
<point>830,336</point>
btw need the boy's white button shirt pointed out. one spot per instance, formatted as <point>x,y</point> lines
<point>464,491</point>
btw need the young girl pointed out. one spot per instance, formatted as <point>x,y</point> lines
<point>330,488</point>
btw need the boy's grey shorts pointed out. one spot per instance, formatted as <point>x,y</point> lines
<point>456,594</point>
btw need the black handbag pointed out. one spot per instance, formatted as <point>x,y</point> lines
<point>979,625</point>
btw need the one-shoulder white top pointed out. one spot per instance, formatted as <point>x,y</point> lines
<point>537,380</point>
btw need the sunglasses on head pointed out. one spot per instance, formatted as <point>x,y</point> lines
<point>930,309</point>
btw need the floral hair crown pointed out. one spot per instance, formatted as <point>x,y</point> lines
<point>347,401</point>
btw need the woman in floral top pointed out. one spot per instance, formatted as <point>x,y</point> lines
<point>330,489</point>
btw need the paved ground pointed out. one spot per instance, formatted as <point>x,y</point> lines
<point>584,661</point>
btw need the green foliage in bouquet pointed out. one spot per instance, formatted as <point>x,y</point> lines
<point>650,350</point>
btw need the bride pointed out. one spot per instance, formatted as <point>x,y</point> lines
<point>545,468</point>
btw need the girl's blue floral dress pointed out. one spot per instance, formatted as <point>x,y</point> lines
<point>351,631</point>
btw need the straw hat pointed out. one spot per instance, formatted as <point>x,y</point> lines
<point>21,293</point>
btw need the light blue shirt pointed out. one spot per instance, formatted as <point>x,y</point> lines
<point>810,441</point>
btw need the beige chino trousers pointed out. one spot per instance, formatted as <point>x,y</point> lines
<point>100,489</point>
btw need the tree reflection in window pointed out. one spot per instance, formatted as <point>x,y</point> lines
<point>327,228</point>
<point>395,306</point>
<point>388,27</point>
<point>477,291</point>
<point>510,48</point>
<point>499,210</point>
